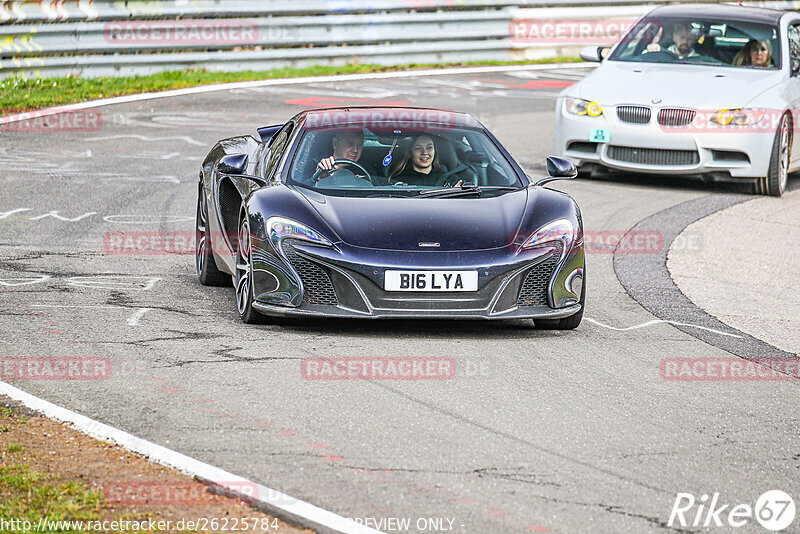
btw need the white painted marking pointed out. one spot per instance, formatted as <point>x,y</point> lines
<point>133,320</point>
<point>659,321</point>
<point>169,179</point>
<point>55,215</point>
<point>3,215</point>
<point>295,508</point>
<point>23,280</point>
<point>133,283</point>
<point>184,138</point>
<point>146,219</point>
<point>287,81</point>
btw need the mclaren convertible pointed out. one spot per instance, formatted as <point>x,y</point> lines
<point>388,213</point>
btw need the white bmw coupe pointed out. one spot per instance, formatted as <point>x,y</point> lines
<point>706,90</point>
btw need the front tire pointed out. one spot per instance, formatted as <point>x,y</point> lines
<point>777,178</point>
<point>205,266</point>
<point>565,323</point>
<point>244,277</point>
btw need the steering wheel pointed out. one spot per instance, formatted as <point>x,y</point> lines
<point>461,167</point>
<point>315,177</point>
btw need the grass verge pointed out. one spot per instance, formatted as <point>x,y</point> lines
<point>26,95</point>
<point>50,472</point>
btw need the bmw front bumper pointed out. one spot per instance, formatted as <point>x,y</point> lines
<point>720,151</point>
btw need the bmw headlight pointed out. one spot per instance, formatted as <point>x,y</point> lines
<point>560,230</point>
<point>281,227</point>
<point>579,106</point>
<point>737,117</point>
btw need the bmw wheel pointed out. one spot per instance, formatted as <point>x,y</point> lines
<point>244,277</point>
<point>774,183</point>
<point>206,268</point>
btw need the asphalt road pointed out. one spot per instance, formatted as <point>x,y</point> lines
<point>538,432</point>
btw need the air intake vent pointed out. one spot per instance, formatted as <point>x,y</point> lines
<point>654,156</point>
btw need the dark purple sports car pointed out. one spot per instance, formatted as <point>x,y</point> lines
<point>388,212</point>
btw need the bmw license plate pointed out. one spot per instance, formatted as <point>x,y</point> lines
<point>431,281</point>
<point>599,135</point>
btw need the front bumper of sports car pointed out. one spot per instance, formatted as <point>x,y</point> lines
<point>343,281</point>
<point>720,152</point>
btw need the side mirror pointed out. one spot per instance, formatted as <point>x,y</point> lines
<point>265,133</point>
<point>232,164</point>
<point>590,53</point>
<point>594,54</point>
<point>795,66</point>
<point>558,169</point>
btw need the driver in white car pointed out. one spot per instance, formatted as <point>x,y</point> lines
<point>683,41</point>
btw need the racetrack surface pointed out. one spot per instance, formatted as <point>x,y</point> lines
<point>538,431</point>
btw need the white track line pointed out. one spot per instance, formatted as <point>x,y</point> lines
<point>659,321</point>
<point>282,81</point>
<point>294,509</point>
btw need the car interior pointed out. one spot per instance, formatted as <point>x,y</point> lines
<point>715,42</point>
<point>456,155</point>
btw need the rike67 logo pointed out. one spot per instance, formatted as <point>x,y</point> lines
<point>774,510</point>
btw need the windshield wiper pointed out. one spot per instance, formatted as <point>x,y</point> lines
<point>464,190</point>
<point>467,189</point>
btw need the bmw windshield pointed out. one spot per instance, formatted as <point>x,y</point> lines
<point>701,42</point>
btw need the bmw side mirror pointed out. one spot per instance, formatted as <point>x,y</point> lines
<point>232,164</point>
<point>558,169</point>
<point>590,53</point>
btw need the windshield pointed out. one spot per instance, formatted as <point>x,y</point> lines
<point>703,42</point>
<point>383,160</point>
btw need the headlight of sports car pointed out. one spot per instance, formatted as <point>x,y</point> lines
<point>281,227</point>
<point>558,230</point>
<point>578,106</point>
<point>737,117</point>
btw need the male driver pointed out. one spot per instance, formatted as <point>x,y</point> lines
<point>346,145</point>
<point>682,41</point>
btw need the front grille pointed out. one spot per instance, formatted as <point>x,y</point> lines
<point>653,156</point>
<point>317,285</point>
<point>534,289</point>
<point>633,114</point>
<point>676,117</point>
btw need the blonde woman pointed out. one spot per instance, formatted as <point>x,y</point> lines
<point>754,54</point>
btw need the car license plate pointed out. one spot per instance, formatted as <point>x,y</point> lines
<point>599,135</point>
<point>431,281</point>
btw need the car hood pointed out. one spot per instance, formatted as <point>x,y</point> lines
<point>694,86</point>
<point>404,223</point>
